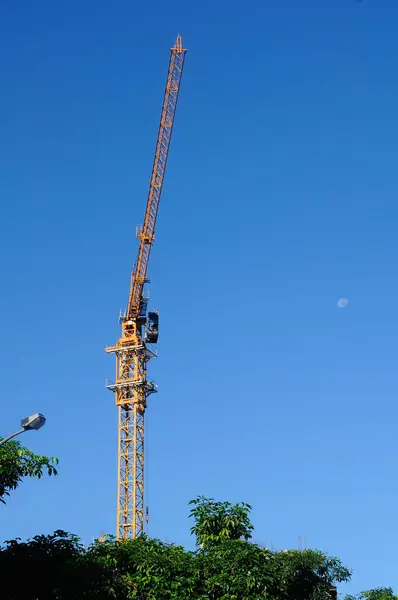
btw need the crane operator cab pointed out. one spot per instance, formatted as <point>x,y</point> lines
<point>152,328</point>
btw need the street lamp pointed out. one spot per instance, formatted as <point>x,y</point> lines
<point>35,421</point>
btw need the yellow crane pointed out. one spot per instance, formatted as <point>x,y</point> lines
<point>140,330</point>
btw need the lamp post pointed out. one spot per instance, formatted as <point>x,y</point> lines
<point>35,421</point>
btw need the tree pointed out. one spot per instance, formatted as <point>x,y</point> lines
<point>17,462</point>
<point>225,566</point>
<point>310,574</point>
<point>233,568</point>
<point>217,522</point>
<point>147,569</point>
<point>48,567</point>
<point>376,594</point>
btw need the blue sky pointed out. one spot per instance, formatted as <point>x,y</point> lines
<point>280,198</point>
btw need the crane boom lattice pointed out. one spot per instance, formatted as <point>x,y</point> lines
<point>140,330</point>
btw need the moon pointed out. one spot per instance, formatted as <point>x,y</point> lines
<point>342,303</point>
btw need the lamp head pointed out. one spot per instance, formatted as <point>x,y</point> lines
<point>35,421</point>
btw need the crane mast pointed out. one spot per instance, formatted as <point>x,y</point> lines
<point>140,330</point>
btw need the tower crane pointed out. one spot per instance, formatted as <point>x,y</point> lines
<point>140,330</point>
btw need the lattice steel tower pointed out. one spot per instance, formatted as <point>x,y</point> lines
<point>140,330</point>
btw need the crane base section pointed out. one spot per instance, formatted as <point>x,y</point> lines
<point>131,388</point>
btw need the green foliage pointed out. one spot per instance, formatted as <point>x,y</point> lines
<point>233,568</point>
<point>226,566</point>
<point>53,566</point>
<point>217,522</point>
<point>376,594</point>
<point>309,573</point>
<point>238,570</point>
<point>17,462</point>
<point>146,568</point>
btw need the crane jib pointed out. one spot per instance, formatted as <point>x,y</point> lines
<point>146,235</point>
